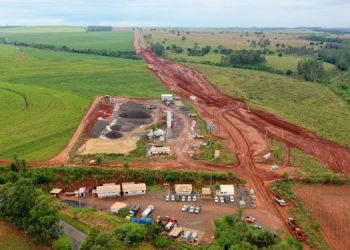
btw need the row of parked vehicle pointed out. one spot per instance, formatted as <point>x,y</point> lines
<point>182,198</point>
<point>135,208</point>
<point>224,199</point>
<point>192,209</point>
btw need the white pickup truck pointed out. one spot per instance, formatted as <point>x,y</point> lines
<point>280,201</point>
<point>147,211</point>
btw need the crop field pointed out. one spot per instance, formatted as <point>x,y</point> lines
<point>40,29</point>
<point>12,238</point>
<point>59,87</point>
<point>310,105</point>
<point>329,205</point>
<point>119,40</point>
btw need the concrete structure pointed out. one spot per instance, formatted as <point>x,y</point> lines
<point>108,190</point>
<point>117,206</point>
<point>56,192</point>
<point>81,192</point>
<point>167,97</point>
<point>226,190</point>
<point>183,189</point>
<point>131,188</point>
<point>206,193</point>
<point>159,151</point>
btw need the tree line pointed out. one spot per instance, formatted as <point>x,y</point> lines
<point>64,48</point>
<point>99,28</point>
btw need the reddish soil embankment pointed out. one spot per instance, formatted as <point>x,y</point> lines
<point>330,206</point>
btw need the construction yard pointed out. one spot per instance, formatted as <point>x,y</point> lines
<point>117,124</point>
<point>167,203</point>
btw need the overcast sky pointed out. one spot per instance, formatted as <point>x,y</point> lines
<point>179,13</point>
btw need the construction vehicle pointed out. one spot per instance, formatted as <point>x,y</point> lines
<point>280,201</point>
<point>299,235</point>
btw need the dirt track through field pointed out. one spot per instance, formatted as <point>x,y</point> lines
<point>242,129</point>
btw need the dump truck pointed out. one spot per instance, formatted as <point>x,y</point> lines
<point>147,211</point>
<point>280,201</point>
<point>298,233</point>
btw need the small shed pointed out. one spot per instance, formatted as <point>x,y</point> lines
<point>228,189</point>
<point>117,206</point>
<point>81,192</point>
<point>108,190</point>
<point>56,192</point>
<point>175,232</point>
<point>183,189</point>
<point>206,193</point>
<point>167,97</point>
<point>159,151</point>
<point>131,188</point>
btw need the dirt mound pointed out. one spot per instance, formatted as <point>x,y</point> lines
<point>137,114</point>
<point>115,127</point>
<point>97,129</point>
<point>113,135</point>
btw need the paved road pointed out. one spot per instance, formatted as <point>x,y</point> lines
<point>74,233</point>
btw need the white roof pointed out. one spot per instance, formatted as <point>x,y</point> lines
<point>133,187</point>
<point>227,188</point>
<point>176,231</point>
<point>160,150</point>
<point>182,188</point>
<point>206,191</point>
<point>110,188</point>
<point>82,189</point>
<point>56,191</point>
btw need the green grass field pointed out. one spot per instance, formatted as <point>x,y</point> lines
<point>59,88</point>
<point>311,105</point>
<point>121,40</point>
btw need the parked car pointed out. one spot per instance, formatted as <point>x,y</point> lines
<point>252,191</point>
<point>133,210</point>
<point>177,198</point>
<point>169,226</point>
<point>167,197</point>
<point>222,200</point>
<point>197,210</point>
<point>227,199</point>
<point>249,219</point>
<point>189,198</point>
<point>232,199</point>
<point>253,197</point>
<point>192,209</point>
<point>172,197</point>
<point>216,199</point>
<point>183,198</point>
<point>194,197</point>
<point>147,211</point>
<point>184,208</point>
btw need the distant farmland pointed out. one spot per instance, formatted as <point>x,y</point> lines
<point>59,88</point>
<point>76,38</point>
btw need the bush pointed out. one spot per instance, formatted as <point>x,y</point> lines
<point>63,243</point>
<point>131,233</point>
<point>311,69</point>
<point>162,242</point>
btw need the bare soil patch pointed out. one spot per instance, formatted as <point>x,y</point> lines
<point>330,206</point>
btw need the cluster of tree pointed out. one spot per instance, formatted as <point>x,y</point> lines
<point>29,209</point>
<point>300,51</point>
<point>323,39</point>
<point>128,234</point>
<point>243,57</point>
<point>222,50</point>
<point>340,58</point>
<point>311,69</point>
<point>64,48</point>
<point>158,49</point>
<point>99,28</point>
<point>175,49</point>
<point>232,233</point>
<point>198,51</point>
<point>44,176</point>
